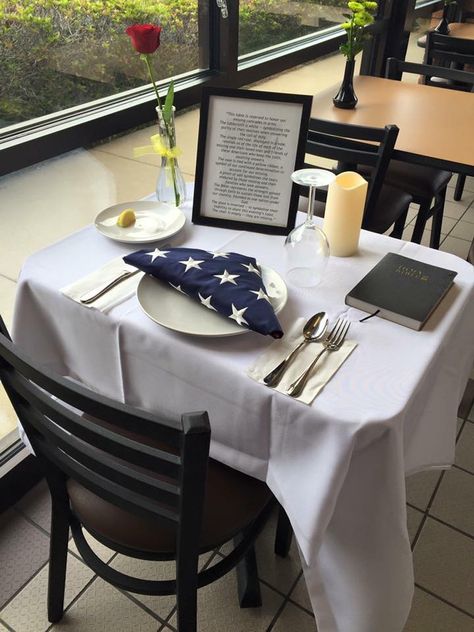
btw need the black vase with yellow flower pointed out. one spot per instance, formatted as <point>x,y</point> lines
<point>361,15</point>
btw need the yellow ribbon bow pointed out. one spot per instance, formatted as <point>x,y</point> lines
<point>157,147</point>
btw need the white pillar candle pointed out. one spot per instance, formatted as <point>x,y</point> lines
<point>344,211</point>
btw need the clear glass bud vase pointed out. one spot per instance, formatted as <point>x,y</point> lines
<point>170,185</point>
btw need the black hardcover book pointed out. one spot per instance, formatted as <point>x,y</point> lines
<point>405,291</point>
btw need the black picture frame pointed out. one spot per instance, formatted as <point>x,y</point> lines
<point>245,115</point>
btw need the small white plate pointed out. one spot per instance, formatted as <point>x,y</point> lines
<point>155,221</point>
<point>167,307</point>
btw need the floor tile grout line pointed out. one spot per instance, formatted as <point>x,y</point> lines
<point>451,526</point>
<point>458,434</point>
<point>76,598</point>
<point>283,604</point>
<point>137,602</point>
<point>449,603</point>
<point>425,513</point>
<point>6,625</point>
<point>295,603</point>
<point>5,276</point>
<point>17,592</point>
<point>32,522</point>
<point>164,621</point>
<point>462,469</point>
<point>435,491</point>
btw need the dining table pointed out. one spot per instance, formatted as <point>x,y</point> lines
<point>463,30</point>
<point>435,124</point>
<point>337,466</point>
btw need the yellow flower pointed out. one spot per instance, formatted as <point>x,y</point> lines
<point>355,6</point>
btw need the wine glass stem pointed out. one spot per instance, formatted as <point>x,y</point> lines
<point>312,191</point>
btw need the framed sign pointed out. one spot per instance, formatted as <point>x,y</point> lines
<point>249,145</point>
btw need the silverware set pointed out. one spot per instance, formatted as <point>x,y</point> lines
<point>313,331</point>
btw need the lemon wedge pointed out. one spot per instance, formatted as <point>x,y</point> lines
<point>126,218</point>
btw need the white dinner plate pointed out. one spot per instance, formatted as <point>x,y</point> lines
<point>167,307</point>
<point>155,221</point>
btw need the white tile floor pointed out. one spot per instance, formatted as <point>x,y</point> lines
<point>44,203</point>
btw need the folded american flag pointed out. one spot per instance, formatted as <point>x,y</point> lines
<point>225,282</point>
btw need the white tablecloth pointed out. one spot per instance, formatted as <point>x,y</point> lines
<point>338,466</point>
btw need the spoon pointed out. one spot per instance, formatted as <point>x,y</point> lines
<point>313,330</point>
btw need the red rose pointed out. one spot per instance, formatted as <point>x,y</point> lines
<point>145,37</point>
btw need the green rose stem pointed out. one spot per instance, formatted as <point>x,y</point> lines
<point>177,197</point>
<point>146,59</point>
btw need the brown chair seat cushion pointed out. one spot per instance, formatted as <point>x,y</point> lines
<point>233,500</point>
<point>418,181</point>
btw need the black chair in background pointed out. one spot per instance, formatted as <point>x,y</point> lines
<point>448,52</point>
<point>427,185</point>
<point>451,52</point>
<point>356,148</point>
<point>141,484</point>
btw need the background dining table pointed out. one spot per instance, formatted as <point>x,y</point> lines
<point>338,466</point>
<point>435,124</point>
<point>463,30</point>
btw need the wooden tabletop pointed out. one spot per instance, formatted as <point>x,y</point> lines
<point>463,30</point>
<point>436,124</point>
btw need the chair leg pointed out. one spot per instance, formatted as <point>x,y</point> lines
<point>421,219</point>
<point>57,559</point>
<point>399,225</point>
<point>248,585</point>
<point>459,187</point>
<point>437,219</point>
<point>284,534</point>
<point>186,600</point>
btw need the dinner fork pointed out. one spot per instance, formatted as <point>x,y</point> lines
<point>333,342</point>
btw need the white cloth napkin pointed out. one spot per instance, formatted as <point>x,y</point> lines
<point>325,368</point>
<point>97,279</point>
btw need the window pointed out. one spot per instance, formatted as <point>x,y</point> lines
<point>57,54</point>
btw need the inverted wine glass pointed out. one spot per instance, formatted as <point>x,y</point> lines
<point>306,247</point>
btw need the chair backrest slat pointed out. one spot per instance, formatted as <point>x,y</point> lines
<point>97,461</point>
<point>99,406</point>
<point>136,464</point>
<point>104,487</point>
<point>446,48</point>
<point>395,68</point>
<point>101,437</point>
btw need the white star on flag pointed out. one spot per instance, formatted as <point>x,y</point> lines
<point>260,294</point>
<point>218,254</point>
<point>192,263</point>
<point>225,277</point>
<point>237,315</point>
<point>206,302</point>
<point>178,287</point>
<point>251,268</point>
<point>157,253</point>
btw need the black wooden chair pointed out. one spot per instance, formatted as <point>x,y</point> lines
<point>427,185</point>
<point>448,52</point>
<point>451,52</point>
<point>367,150</point>
<point>141,484</point>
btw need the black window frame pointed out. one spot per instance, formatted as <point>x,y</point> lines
<point>30,142</point>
